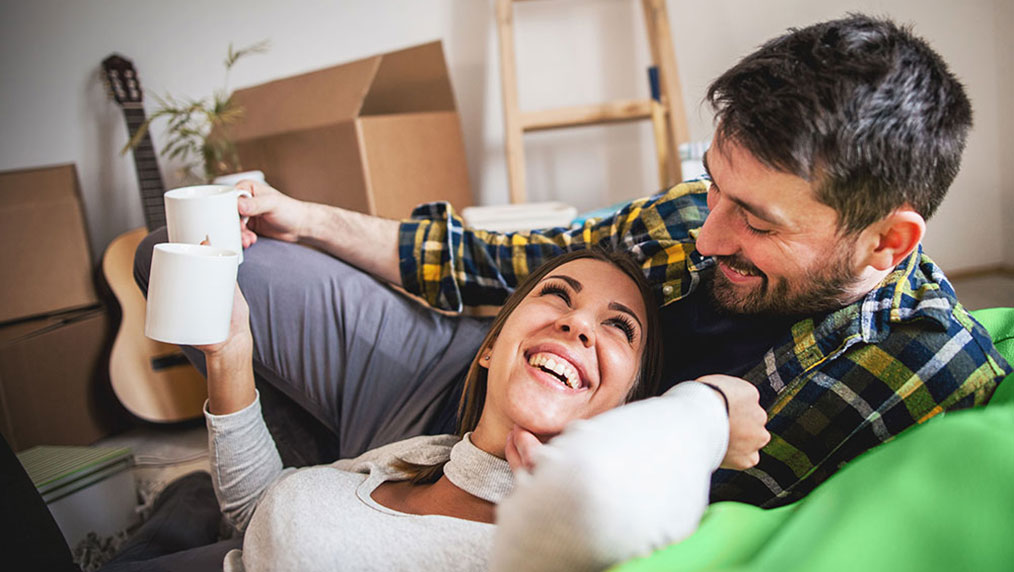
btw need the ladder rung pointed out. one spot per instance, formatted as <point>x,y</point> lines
<point>629,110</point>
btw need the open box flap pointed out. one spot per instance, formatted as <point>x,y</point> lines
<point>305,101</point>
<point>410,81</point>
<point>406,81</point>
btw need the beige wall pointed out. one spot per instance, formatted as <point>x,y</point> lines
<point>1004,25</point>
<point>53,108</point>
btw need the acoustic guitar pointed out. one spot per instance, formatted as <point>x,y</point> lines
<point>153,380</point>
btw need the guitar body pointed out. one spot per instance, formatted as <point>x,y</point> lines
<point>153,380</point>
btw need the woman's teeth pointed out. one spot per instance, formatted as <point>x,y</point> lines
<point>558,367</point>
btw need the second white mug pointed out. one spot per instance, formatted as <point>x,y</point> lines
<point>190,293</point>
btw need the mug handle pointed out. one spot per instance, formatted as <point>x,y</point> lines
<point>247,194</point>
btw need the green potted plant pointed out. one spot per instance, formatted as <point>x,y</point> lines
<point>195,127</point>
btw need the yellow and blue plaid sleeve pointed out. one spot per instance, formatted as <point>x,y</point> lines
<point>451,266</point>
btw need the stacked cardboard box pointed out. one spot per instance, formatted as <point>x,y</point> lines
<point>54,334</point>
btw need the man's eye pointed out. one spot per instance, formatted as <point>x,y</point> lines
<point>752,229</point>
<point>553,289</point>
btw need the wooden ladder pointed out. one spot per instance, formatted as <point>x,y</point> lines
<point>667,111</point>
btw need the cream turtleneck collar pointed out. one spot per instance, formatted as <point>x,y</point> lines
<point>477,472</point>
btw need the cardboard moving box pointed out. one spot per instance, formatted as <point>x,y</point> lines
<point>378,135</point>
<point>54,381</point>
<point>47,266</point>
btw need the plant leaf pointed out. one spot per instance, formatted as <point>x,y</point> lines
<point>234,55</point>
<point>190,125</point>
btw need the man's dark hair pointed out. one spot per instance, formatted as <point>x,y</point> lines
<point>859,106</point>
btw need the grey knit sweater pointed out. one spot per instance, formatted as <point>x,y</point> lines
<point>324,518</point>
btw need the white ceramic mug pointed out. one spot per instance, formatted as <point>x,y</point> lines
<point>205,213</point>
<point>190,292</point>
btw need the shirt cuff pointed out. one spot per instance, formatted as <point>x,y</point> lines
<point>239,418</point>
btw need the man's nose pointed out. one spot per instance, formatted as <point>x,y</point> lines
<point>716,237</point>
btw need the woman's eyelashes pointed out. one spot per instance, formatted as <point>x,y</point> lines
<point>551,288</point>
<point>621,322</point>
<point>625,325</point>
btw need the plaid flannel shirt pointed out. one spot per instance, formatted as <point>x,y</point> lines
<point>833,388</point>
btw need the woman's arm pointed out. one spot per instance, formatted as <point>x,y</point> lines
<point>244,460</point>
<point>620,485</point>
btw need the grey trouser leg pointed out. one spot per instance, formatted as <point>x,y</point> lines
<point>371,364</point>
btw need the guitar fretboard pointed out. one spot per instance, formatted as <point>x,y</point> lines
<point>149,178</point>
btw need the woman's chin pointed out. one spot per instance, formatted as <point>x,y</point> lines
<point>539,410</point>
<point>541,424</point>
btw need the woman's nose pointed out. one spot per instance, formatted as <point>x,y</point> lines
<point>576,325</point>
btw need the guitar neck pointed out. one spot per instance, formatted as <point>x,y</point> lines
<point>149,178</point>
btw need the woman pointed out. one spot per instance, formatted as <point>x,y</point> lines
<point>573,341</point>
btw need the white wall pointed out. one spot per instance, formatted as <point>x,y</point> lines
<point>54,109</point>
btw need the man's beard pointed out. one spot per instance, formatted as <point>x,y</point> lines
<point>821,290</point>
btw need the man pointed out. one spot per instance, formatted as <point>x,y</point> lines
<point>796,265</point>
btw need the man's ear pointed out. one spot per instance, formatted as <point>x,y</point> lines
<point>892,239</point>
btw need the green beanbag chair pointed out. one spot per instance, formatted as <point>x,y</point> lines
<point>999,322</point>
<point>938,497</point>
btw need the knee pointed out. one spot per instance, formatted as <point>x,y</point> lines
<point>142,256</point>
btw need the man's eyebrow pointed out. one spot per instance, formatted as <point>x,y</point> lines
<point>577,286</point>
<point>756,210</point>
<point>621,308</point>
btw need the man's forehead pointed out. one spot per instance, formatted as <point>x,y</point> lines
<point>765,212</point>
<point>780,198</point>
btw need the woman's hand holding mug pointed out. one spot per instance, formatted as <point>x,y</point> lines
<point>230,363</point>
